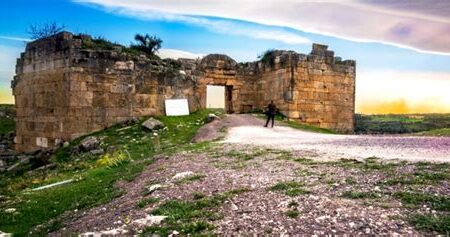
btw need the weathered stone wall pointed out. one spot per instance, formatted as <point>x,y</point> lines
<point>64,90</point>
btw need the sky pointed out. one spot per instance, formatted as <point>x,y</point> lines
<point>402,47</point>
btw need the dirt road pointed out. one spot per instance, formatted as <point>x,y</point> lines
<point>330,146</point>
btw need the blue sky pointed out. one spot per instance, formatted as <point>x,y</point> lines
<point>406,64</point>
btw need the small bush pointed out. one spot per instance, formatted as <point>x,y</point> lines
<point>114,159</point>
<point>292,213</point>
<point>438,223</point>
<point>359,195</point>
<point>144,202</point>
<point>291,188</point>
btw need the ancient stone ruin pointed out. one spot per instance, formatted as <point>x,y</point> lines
<point>66,86</point>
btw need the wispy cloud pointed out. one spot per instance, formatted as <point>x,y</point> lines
<point>420,25</point>
<point>14,38</point>
<point>176,54</point>
<point>220,26</point>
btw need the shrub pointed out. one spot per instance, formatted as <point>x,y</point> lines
<point>114,159</point>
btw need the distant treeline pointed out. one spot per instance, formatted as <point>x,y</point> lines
<point>400,123</point>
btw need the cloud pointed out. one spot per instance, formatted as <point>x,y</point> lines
<point>176,54</point>
<point>220,26</point>
<point>420,25</point>
<point>14,38</point>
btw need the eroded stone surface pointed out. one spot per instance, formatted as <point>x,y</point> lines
<point>64,90</point>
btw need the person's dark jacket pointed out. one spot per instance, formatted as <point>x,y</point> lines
<point>271,109</point>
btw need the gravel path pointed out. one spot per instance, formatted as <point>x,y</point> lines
<point>411,148</point>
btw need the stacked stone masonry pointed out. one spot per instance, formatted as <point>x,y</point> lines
<point>64,90</point>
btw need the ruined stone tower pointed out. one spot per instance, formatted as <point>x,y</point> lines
<point>66,87</point>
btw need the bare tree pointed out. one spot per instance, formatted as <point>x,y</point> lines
<point>44,30</point>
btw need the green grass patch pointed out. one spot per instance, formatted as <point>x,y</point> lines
<point>198,195</point>
<point>190,217</point>
<point>95,181</point>
<point>191,179</point>
<point>245,156</point>
<point>291,188</point>
<point>421,124</point>
<point>440,223</point>
<point>418,177</point>
<point>7,123</point>
<point>292,213</point>
<point>359,195</point>
<point>438,203</point>
<point>444,132</point>
<point>146,201</point>
<point>350,180</point>
<point>306,161</point>
<point>34,208</point>
<point>369,164</point>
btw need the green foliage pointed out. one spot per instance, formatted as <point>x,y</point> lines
<point>98,43</point>
<point>114,159</point>
<point>268,57</point>
<point>198,195</point>
<point>419,177</point>
<point>244,155</point>
<point>292,213</point>
<point>444,132</point>
<point>7,123</point>
<point>93,187</point>
<point>439,203</point>
<point>440,223</point>
<point>402,123</point>
<point>359,195</point>
<point>94,183</point>
<point>147,44</point>
<point>369,164</point>
<point>189,217</point>
<point>191,179</point>
<point>291,188</point>
<point>144,202</point>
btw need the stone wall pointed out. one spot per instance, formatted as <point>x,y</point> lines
<point>64,90</point>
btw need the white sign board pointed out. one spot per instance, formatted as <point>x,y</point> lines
<point>175,107</point>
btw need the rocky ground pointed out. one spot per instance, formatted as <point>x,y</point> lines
<point>229,188</point>
<point>332,146</point>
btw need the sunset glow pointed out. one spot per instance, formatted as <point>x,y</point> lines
<point>402,50</point>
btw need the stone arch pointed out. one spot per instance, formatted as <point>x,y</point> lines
<point>220,70</point>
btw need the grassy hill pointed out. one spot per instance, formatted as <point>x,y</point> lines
<point>423,124</point>
<point>7,123</point>
<point>93,176</point>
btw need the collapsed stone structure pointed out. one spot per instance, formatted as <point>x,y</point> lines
<point>66,87</point>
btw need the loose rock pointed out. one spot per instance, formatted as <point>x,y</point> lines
<point>150,220</point>
<point>90,143</point>
<point>152,124</point>
<point>182,175</point>
<point>97,151</point>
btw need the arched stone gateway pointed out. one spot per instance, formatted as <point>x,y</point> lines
<point>221,70</point>
<point>65,87</point>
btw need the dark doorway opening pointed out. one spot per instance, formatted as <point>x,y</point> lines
<point>229,99</point>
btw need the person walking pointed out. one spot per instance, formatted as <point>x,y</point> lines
<point>271,110</point>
